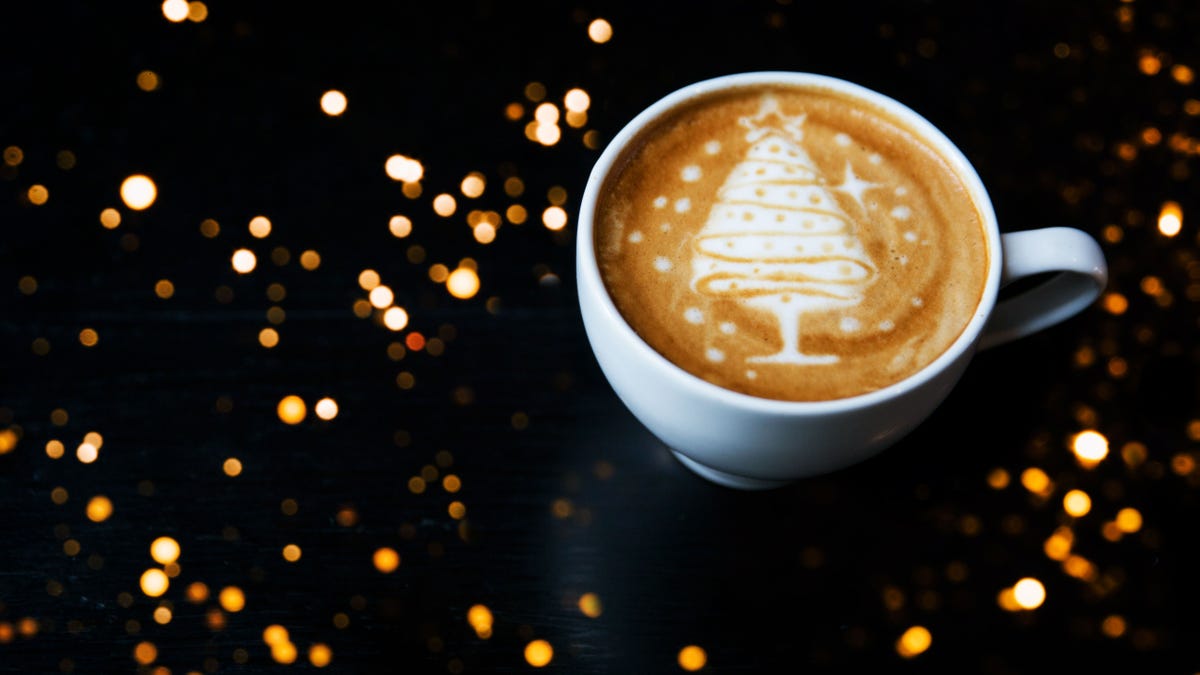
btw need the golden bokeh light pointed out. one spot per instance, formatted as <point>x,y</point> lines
<point>310,260</point>
<point>1090,447</point>
<point>1129,520</point>
<point>473,185</point>
<point>1077,503</point>
<point>386,559</point>
<point>37,195</point>
<point>333,103</point>
<point>600,31</point>
<point>1029,593</point>
<point>147,80</point>
<point>291,553</point>
<point>175,11</point>
<point>54,447</point>
<point>244,261</point>
<point>485,233</point>
<point>395,318</point>
<point>463,283</point>
<point>13,155</point>
<point>405,169</point>
<point>8,441</point>
<point>232,467</point>
<point>162,615</point>
<point>88,337</point>
<point>164,550</point>
<point>320,655</point>
<point>535,91</point>
<point>197,11</point>
<point>210,228</point>
<point>291,409</point>
<point>138,192</point>
<point>692,658</point>
<point>400,226</point>
<point>1113,626</point>
<point>27,285</point>
<point>444,204</point>
<point>538,653</point>
<point>232,599</point>
<point>914,641</point>
<point>481,620</point>
<point>164,289</point>
<point>589,604</point>
<point>368,279</point>
<point>546,134</point>
<point>268,337</point>
<point>260,227</point>
<point>546,113</point>
<point>457,510</point>
<point>1058,545</point>
<point>554,218</point>
<point>99,509</point>
<point>87,453</point>
<point>381,297</point>
<point>145,653</point>
<point>326,408</point>
<point>154,582</point>
<point>577,100</point>
<point>1170,219</point>
<point>275,634</point>
<point>196,592</point>
<point>59,495</point>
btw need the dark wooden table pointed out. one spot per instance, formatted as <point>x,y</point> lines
<point>479,443</point>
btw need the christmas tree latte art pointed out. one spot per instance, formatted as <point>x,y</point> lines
<point>790,243</point>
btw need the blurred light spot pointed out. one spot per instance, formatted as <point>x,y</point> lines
<point>451,483</point>
<point>162,615</point>
<point>914,641</point>
<point>333,103</point>
<point>210,228</point>
<point>275,634</point>
<point>576,119</point>
<point>1129,520</point>
<point>27,285</point>
<point>260,226</point>
<point>463,283</point>
<point>401,168</point>
<point>1182,74</point>
<point>87,453</point>
<point>154,582</point>
<point>438,273</point>
<point>88,337</point>
<point>589,604</point>
<point>197,11</point>
<point>164,289</point>
<point>1170,219</point>
<point>291,409</point>
<point>692,658</point>
<point>577,100</point>
<point>1090,447</point>
<point>268,337</point>
<point>289,507</point>
<point>1077,503</point>
<point>600,31</point>
<point>516,214</point>
<point>59,495</point>
<point>175,11</point>
<point>1058,545</point>
<point>326,408</point>
<point>244,261</point>
<point>415,254</point>
<point>232,599</point>
<point>444,204</point>
<point>1149,64</point>
<point>13,156</point>
<point>406,380</point>
<point>1080,568</point>
<point>59,417</point>
<point>99,508</point>
<point>145,653</point>
<point>546,134</point>
<point>147,80</point>
<point>310,260</point>
<point>54,447</point>
<point>196,592</point>
<point>138,192</point>
<point>546,113</point>
<point>386,560</point>
<point>480,619</point>
<point>381,297</point>
<point>412,190</point>
<point>457,510</point>
<point>1114,303</point>
<point>65,159</point>
<point>400,226</point>
<point>473,185</point>
<point>1113,626</point>
<point>535,91</point>
<point>395,318</point>
<point>514,111</point>
<point>38,194</point>
<point>998,479</point>
<point>1029,593</point>
<point>554,218</point>
<point>291,553</point>
<point>485,233</point>
<point>416,485</point>
<point>164,550</point>
<point>320,655</point>
<point>538,653</point>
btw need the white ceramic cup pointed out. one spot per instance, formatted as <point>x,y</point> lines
<point>748,442</point>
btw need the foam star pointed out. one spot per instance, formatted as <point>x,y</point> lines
<point>762,121</point>
<point>855,186</point>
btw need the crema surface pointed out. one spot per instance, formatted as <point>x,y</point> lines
<point>790,243</point>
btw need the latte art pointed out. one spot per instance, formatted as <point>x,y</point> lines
<point>790,243</point>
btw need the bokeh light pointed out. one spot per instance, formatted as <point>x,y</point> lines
<point>164,550</point>
<point>333,103</point>
<point>260,227</point>
<point>175,11</point>
<point>1090,447</point>
<point>154,582</point>
<point>916,640</point>
<point>401,168</point>
<point>600,31</point>
<point>232,599</point>
<point>538,653</point>
<point>138,192</point>
<point>244,261</point>
<point>99,509</point>
<point>1029,593</point>
<point>386,560</point>
<point>291,409</point>
<point>463,283</point>
<point>326,408</point>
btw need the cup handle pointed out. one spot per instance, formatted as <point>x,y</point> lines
<point>1082,275</point>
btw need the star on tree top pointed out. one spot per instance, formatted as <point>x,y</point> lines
<point>770,116</point>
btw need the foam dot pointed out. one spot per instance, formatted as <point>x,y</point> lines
<point>750,374</point>
<point>842,140</point>
<point>683,205</point>
<point>849,324</point>
<point>693,315</point>
<point>918,302</point>
<point>635,237</point>
<point>910,236</point>
<point>690,173</point>
<point>665,227</point>
<point>712,147</point>
<point>901,191</point>
<point>662,264</point>
<point>728,328</point>
<point>901,213</point>
<point>875,158</point>
<point>886,324</point>
<point>715,355</point>
<point>903,260</point>
<point>660,202</point>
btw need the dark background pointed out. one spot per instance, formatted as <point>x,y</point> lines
<point>1074,114</point>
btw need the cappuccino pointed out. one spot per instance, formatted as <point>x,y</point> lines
<point>791,243</point>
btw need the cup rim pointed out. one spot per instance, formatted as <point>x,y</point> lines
<point>591,281</point>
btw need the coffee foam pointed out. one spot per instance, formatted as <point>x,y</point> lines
<point>790,243</point>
